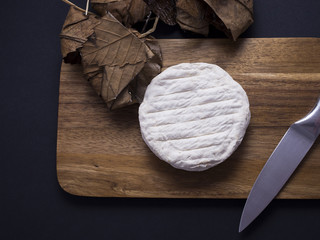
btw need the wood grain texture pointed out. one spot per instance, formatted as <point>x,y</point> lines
<point>101,153</point>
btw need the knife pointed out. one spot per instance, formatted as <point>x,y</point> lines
<point>283,161</point>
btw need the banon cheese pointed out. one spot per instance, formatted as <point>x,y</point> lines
<point>194,116</point>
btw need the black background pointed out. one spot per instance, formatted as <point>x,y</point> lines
<point>33,206</point>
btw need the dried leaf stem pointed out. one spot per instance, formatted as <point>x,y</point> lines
<point>75,6</point>
<point>87,7</point>
<point>152,29</point>
<point>147,21</point>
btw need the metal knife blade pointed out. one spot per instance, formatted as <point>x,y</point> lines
<point>283,161</point>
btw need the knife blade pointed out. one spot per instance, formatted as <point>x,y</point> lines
<point>282,163</point>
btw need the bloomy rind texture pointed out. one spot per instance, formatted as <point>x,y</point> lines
<point>194,116</point>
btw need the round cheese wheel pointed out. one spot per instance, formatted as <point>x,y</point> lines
<point>194,116</point>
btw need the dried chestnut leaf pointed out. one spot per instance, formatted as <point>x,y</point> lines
<point>75,31</point>
<point>233,17</point>
<point>93,73</point>
<point>128,12</point>
<point>120,55</point>
<point>191,16</point>
<point>150,70</point>
<point>164,9</point>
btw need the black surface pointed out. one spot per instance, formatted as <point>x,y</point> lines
<point>33,206</point>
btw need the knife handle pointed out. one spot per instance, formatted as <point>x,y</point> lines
<point>312,120</point>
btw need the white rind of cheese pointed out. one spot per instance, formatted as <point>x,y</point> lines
<point>194,116</point>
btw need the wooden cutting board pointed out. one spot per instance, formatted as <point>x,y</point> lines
<point>101,153</point>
